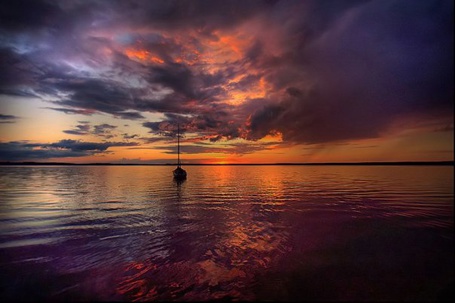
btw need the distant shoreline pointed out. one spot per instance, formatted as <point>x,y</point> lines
<point>403,163</point>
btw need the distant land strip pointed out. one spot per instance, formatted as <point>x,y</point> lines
<point>449,163</point>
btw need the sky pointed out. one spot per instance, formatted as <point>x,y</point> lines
<point>246,81</point>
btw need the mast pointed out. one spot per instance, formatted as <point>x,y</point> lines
<point>178,145</point>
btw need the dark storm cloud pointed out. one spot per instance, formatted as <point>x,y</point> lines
<point>94,94</point>
<point>168,127</point>
<point>87,96</point>
<point>20,15</point>
<point>27,73</point>
<point>17,73</point>
<point>332,70</point>
<point>103,94</point>
<point>23,150</point>
<point>208,123</point>
<point>113,97</point>
<point>175,76</point>
<point>199,14</point>
<point>371,64</point>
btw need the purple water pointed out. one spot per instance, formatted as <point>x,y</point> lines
<point>131,233</point>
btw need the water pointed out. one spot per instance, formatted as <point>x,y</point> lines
<point>131,233</point>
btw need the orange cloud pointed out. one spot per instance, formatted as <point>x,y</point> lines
<point>142,55</point>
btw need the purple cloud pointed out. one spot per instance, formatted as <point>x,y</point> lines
<point>314,71</point>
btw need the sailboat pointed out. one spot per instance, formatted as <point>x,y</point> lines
<point>179,172</point>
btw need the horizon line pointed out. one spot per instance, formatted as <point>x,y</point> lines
<point>448,162</point>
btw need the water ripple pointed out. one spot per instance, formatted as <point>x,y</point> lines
<point>228,233</point>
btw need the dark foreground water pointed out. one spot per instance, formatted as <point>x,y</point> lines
<point>227,232</point>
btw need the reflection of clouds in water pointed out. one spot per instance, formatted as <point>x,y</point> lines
<point>203,280</point>
<point>225,271</point>
<point>133,283</point>
<point>322,233</point>
<point>253,245</point>
<point>177,280</point>
<point>215,273</point>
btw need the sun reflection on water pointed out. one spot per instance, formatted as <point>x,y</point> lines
<point>227,232</point>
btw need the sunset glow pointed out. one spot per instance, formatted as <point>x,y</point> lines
<point>248,82</point>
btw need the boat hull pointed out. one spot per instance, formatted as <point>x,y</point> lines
<point>179,173</point>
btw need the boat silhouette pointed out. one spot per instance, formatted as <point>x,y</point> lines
<point>179,172</point>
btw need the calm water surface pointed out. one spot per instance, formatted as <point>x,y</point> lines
<point>131,233</point>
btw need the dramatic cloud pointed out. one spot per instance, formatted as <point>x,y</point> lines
<point>23,150</point>
<point>378,61</point>
<point>314,71</point>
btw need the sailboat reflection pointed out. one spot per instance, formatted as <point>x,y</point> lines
<point>178,182</point>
